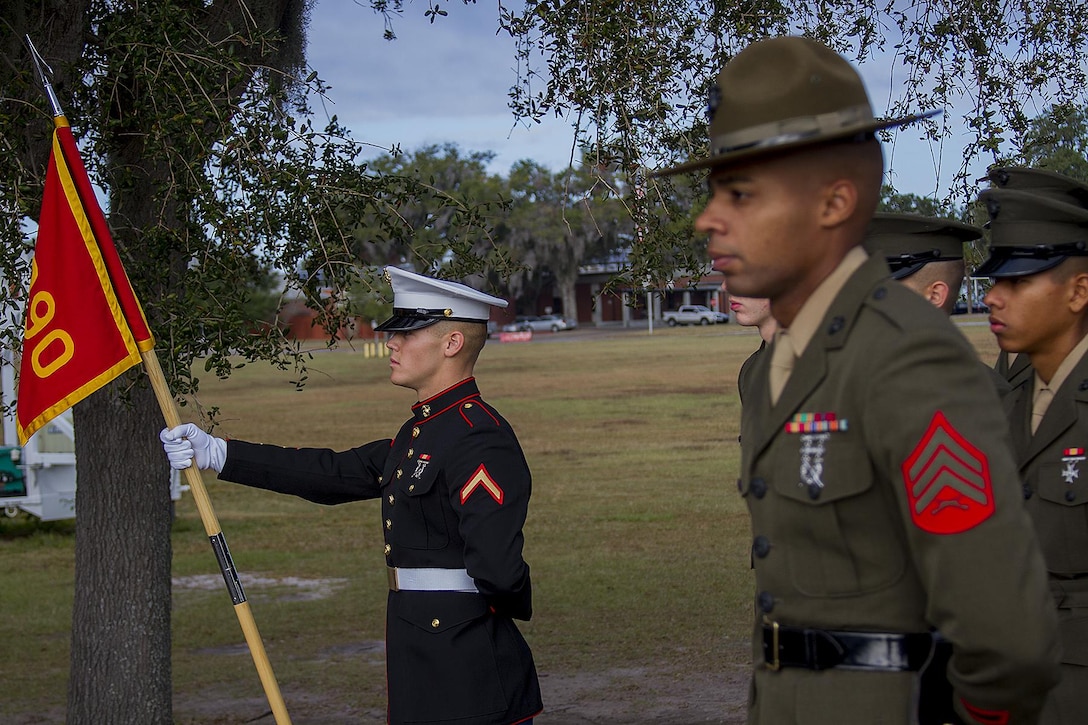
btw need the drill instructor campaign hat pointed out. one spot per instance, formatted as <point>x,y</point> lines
<point>911,241</point>
<point>420,301</point>
<point>783,93</point>
<point>1031,232</point>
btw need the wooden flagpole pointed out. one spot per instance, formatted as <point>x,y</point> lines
<point>196,487</point>
<point>219,544</point>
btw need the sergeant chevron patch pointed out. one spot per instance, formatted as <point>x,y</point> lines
<point>481,479</point>
<point>948,481</point>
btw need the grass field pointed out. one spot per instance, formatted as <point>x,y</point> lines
<point>636,537</point>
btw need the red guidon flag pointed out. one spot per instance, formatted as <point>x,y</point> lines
<point>84,325</point>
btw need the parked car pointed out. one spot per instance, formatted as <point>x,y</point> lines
<point>693,315</point>
<point>566,322</point>
<point>537,323</point>
<point>960,307</point>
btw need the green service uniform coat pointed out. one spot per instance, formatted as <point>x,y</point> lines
<point>744,377</point>
<point>1013,369</point>
<point>1055,476</point>
<point>455,488</point>
<point>884,498</point>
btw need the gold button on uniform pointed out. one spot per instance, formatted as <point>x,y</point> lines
<point>399,473</point>
<point>415,432</point>
<point>388,549</point>
<point>410,451</point>
<point>388,524</point>
<point>391,499</point>
<point>412,487</point>
<point>435,623</point>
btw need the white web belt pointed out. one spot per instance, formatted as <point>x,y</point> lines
<point>430,580</point>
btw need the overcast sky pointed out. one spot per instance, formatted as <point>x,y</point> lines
<point>448,82</point>
<point>437,83</point>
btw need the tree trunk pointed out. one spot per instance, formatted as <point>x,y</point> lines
<point>120,657</point>
<point>569,297</point>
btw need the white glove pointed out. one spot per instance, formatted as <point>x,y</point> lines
<point>188,442</point>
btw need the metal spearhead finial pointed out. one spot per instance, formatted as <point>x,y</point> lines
<point>44,74</point>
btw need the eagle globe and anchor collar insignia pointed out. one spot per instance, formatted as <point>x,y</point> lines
<point>815,430</point>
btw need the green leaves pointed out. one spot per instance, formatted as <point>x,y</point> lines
<point>226,197</point>
<point>631,76</point>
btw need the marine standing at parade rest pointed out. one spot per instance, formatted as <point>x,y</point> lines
<point>884,501</point>
<point>1039,310</point>
<point>454,486</point>
<point>925,254</point>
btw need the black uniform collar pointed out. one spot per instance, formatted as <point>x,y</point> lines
<point>448,399</point>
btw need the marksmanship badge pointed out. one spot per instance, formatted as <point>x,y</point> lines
<point>815,430</point>
<point>812,459</point>
<point>1072,457</point>
<point>421,465</point>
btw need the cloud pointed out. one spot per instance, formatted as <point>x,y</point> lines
<point>456,66</point>
<point>448,82</point>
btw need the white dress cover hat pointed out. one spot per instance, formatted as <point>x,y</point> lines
<point>420,301</point>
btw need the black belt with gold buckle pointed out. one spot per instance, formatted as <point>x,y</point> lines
<point>821,649</point>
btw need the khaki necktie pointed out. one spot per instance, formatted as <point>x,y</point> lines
<point>1039,406</point>
<point>782,358</point>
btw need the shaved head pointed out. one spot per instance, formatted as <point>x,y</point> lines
<point>949,272</point>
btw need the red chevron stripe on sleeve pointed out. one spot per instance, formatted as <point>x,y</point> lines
<point>948,481</point>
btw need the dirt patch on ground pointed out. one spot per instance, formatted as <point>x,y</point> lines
<point>636,696</point>
<point>631,696</point>
<point>641,696</point>
<point>621,696</point>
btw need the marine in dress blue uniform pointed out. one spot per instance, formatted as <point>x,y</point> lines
<point>454,488</point>
<point>884,501</point>
<point>1039,312</point>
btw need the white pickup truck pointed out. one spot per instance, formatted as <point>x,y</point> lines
<point>693,315</point>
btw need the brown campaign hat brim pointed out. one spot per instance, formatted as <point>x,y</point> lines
<point>782,94</point>
<point>786,144</point>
